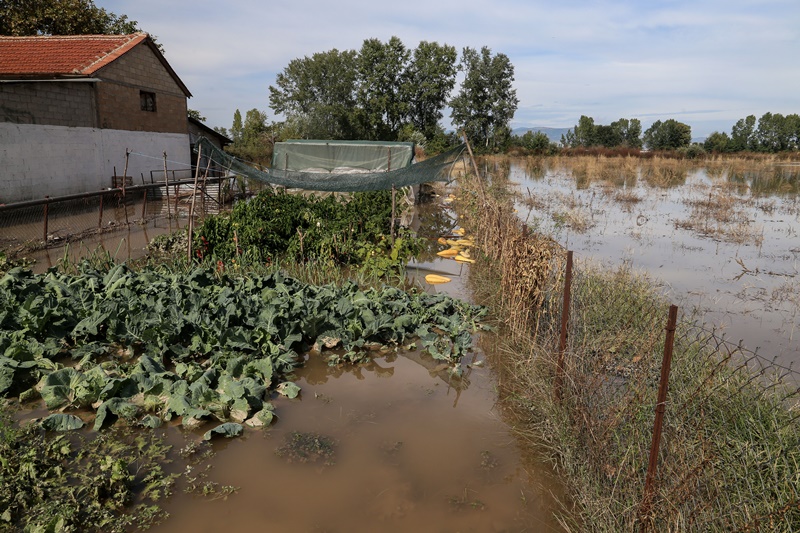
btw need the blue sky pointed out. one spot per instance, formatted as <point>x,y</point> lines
<point>707,63</point>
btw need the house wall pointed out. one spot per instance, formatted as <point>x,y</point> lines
<point>44,160</point>
<point>118,98</point>
<point>57,103</point>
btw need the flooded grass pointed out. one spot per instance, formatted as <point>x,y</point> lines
<point>729,456</point>
<point>692,224</point>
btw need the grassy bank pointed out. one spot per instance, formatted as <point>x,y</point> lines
<point>729,457</point>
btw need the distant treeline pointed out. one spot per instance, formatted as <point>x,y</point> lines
<point>772,133</point>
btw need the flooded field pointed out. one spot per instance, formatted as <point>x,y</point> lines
<point>724,242</point>
<point>397,446</point>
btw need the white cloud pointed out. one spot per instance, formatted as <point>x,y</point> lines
<point>705,61</point>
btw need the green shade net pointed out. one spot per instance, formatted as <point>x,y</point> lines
<point>329,156</point>
<point>436,168</point>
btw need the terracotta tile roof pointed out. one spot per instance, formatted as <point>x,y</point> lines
<point>67,55</point>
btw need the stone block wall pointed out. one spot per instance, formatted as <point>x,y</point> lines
<point>118,96</point>
<point>57,103</point>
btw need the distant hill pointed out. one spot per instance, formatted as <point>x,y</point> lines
<point>554,134</point>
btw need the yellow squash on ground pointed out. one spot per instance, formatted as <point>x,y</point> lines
<point>435,279</point>
<point>450,252</point>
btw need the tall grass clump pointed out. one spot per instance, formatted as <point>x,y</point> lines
<point>729,458</point>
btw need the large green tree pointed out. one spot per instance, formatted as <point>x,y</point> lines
<point>623,132</point>
<point>429,79</point>
<point>777,133</point>
<point>743,134</point>
<point>317,94</point>
<point>252,138</point>
<point>668,135</point>
<point>381,106</point>
<point>487,100</point>
<point>384,91</point>
<point>60,17</point>
<point>717,142</point>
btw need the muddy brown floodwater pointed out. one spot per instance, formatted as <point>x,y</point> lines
<point>410,451</point>
<point>400,444</point>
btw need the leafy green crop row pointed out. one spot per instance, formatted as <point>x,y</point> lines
<point>151,345</point>
<point>330,229</point>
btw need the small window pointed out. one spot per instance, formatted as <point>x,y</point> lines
<point>147,101</point>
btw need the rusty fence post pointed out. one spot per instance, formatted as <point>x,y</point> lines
<point>144,204</point>
<point>46,216</point>
<point>658,424</point>
<point>100,217</point>
<point>562,341</point>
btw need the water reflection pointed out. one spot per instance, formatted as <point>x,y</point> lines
<point>722,238</point>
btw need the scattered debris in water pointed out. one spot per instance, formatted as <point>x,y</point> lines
<point>308,448</point>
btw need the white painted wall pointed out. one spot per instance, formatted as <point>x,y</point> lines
<point>40,160</point>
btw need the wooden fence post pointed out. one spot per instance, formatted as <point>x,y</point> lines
<point>652,466</point>
<point>46,216</point>
<point>562,341</point>
<point>394,194</point>
<point>166,186</point>
<point>100,217</point>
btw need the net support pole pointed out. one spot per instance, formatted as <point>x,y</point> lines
<point>474,166</point>
<point>166,186</point>
<point>191,209</point>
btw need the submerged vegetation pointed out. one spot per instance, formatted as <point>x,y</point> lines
<point>124,349</point>
<point>729,455</point>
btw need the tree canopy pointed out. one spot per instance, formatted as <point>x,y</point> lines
<point>623,132</point>
<point>60,17</point>
<point>385,91</point>
<point>668,135</point>
<point>773,132</point>
<point>486,101</point>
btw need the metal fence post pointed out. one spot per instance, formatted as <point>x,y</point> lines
<point>666,363</point>
<point>562,341</point>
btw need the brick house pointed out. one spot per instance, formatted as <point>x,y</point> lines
<point>70,107</point>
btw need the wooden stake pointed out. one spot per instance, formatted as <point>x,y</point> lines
<point>100,218</point>
<point>394,203</point>
<point>46,216</point>
<point>166,186</point>
<point>125,172</point>
<point>475,166</point>
<point>562,342</point>
<point>194,199</point>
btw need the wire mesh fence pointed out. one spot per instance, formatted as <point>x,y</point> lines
<point>46,222</point>
<point>723,454</point>
<point>730,441</point>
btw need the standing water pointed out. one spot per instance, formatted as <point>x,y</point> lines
<point>722,242</point>
<point>393,445</point>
